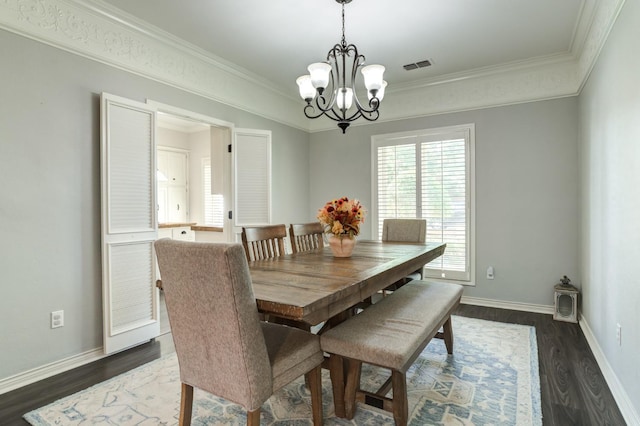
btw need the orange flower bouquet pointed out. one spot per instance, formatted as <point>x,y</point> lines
<point>342,217</point>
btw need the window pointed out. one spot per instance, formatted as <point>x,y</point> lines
<point>213,203</point>
<point>429,174</point>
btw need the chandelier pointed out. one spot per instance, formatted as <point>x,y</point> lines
<point>335,96</point>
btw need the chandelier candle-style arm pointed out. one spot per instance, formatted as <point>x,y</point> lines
<point>335,96</point>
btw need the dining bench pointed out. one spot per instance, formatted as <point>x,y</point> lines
<point>390,334</point>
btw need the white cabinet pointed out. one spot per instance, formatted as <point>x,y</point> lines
<point>183,233</point>
<point>173,185</point>
<point>177,210</point>
<point>172,164</point>
<point>164,233</point>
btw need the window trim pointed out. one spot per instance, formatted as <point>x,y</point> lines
<point>433,134</point>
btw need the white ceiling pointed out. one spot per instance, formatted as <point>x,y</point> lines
<point>277,39</point>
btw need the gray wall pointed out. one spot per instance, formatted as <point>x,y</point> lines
<point>50,192</point>
<point>526,191</point>
<point>610,202</point>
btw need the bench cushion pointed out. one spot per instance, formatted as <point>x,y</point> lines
<point>389,332</point>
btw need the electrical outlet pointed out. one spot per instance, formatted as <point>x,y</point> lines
<point>490,273</point>
<point>57,319</point>
<point>619,334</point>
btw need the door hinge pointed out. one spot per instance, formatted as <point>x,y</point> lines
<point>230,214</point>
<point>229,148</point>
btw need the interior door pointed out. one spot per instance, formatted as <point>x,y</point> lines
<point>129,223</point>
<point>251,179</point>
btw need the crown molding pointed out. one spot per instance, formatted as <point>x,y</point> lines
<point>95,30</point>
<point>603,19</point>
<point>513,86</point>
<point>86,29</point>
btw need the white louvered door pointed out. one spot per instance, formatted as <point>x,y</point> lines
<point>251,178</point>
<point>129,227</point>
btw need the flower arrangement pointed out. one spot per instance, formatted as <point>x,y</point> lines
<point>342,217</point>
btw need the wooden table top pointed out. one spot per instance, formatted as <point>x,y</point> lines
<point>312,287</point>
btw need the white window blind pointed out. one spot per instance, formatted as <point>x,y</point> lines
<point>396,182</point>
<point>444,189</point>
<point>213,203</point>
<point>428,174</point>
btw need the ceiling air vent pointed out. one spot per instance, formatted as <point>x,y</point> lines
<point>416,65</point>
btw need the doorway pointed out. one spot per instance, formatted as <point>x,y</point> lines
<point>192,180</point>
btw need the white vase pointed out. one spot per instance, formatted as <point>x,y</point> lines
<point>341,246</point>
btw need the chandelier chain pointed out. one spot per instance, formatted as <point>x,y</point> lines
<point>344,40</point>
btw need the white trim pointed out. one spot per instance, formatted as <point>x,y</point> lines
<point>619,394</point>
<point>501,304</point>
<point>48,370</point>
<point>189,115</point>
<point>418,137</point>
<point>93,29</point>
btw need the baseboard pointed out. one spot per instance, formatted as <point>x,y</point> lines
<point>619,394</point>
<point>515,306</point>
<point>48,370</point>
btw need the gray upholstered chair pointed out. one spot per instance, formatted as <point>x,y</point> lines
<point>406,231</point>
<point>306,236</point>
<point>264,242</point>
<point>222,346</point>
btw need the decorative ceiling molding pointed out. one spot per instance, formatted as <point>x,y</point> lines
<point>82,28</point>
<point>546,81</point>
<point>602,23</point>
<point>91,29</point>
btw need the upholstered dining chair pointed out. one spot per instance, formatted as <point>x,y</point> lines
<point>222,346</point>
<point>264,242</point>
<point>406,231</point>
<point>306,236</point>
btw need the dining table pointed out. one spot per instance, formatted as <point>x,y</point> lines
<point>313,287</point>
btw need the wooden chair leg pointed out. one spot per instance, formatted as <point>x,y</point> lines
<point>448,336</point>
<point>336,371</point>
<point>400,403</point>
<point>186,404</point>
<point>253,417</point>
<point>314,381</point>
<point>352,387</point>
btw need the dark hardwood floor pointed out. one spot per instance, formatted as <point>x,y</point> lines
<point>573,389</point>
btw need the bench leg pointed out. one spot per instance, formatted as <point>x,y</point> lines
<point>448,336</point>
<point>400,403</point>
<point>353,385</point>
<point>336,371</point>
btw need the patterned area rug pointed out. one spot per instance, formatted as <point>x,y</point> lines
<point>492,379</point>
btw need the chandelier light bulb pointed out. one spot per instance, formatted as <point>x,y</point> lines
<point>320,72</point>
<point>344,98</point>
<point>373,77</point>
<point>379,93</point>
<point>307,91</point>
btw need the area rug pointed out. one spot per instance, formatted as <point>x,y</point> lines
<point>492,379</point>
